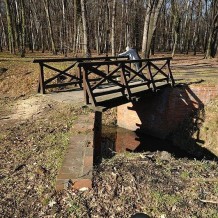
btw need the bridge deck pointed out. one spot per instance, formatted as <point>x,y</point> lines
<point>105,102</point>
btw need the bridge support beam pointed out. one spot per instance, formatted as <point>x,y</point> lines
<point>97,137</point>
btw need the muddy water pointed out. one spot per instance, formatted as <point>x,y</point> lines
<point>117,140</point>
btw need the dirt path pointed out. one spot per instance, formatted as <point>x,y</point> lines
<point>34,105</point>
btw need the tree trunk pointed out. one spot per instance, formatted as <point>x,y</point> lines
<point>213,31</point>
<point>107,28</point>
<point>23,30</point>
<point>196,28</point>
<point>87,51</point>
<point>76,21</point>
<point>42,38</point>
<point>47,11</point>
<point>176,25</point>
<point>3,36</point>
<point>121,33</point>
<point>152,13</point>
<point>113,28</point>
<point>11,42</point>
<point>184,32</point>
<point>64,28</point>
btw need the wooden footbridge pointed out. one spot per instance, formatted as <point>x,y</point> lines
<point>106,81</point>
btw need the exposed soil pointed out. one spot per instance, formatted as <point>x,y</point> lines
<point>34,133</point>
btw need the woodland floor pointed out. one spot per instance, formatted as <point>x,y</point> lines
<point>34,133</point>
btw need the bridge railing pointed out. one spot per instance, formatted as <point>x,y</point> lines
<point>123,78</point>
<point>52,74</point>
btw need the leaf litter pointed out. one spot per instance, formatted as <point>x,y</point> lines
<point>33,145</point>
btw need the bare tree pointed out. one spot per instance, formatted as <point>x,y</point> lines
<point>113,28</point>
<point>152,13</point>
<point>11,41</point>
<point>64,28</point>
<point>20,26</point>
<point>3,34</point>
<point>85,29</point>
<point>213,30</point>
<point>50,27</point>
<point>197,26</point>
<point>176,25</point>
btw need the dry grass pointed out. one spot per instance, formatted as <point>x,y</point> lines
<point>209,128</point>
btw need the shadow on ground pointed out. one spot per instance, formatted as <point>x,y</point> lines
<point>176,124</point>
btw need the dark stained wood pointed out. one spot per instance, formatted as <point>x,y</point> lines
<point>109,58</point>
<point>108,79</point>
<point>151,77</point>
<point>117,62</point>
<point>41,86</point>
<point>170,75</point>
<point>155,72</point>
<point>76,79</point>
<point>97,137</point>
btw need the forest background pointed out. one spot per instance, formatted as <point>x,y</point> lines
<point>108,26</point>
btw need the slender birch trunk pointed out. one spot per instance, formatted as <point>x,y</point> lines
<point>50,27</point>
<point>85,28</point>
<point>113,28</point>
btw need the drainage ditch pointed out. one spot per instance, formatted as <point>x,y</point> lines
<point>117,140</point>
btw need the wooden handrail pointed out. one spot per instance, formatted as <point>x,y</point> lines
<point>121,61</point>
<point>96,72</point>
<point>41,60</point>
<point>43,83</point>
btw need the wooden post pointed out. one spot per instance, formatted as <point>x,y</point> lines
<point>79,76</point>
<point>108,69</point>
<point>97,137</point>
<point>126,83</point>
<point>122,79</point>
<point>86,96</point>
<point>170,75</point>
<point>151,76</point>
<point>41,85</point>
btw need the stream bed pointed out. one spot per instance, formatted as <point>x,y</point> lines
<point>116,140</point>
